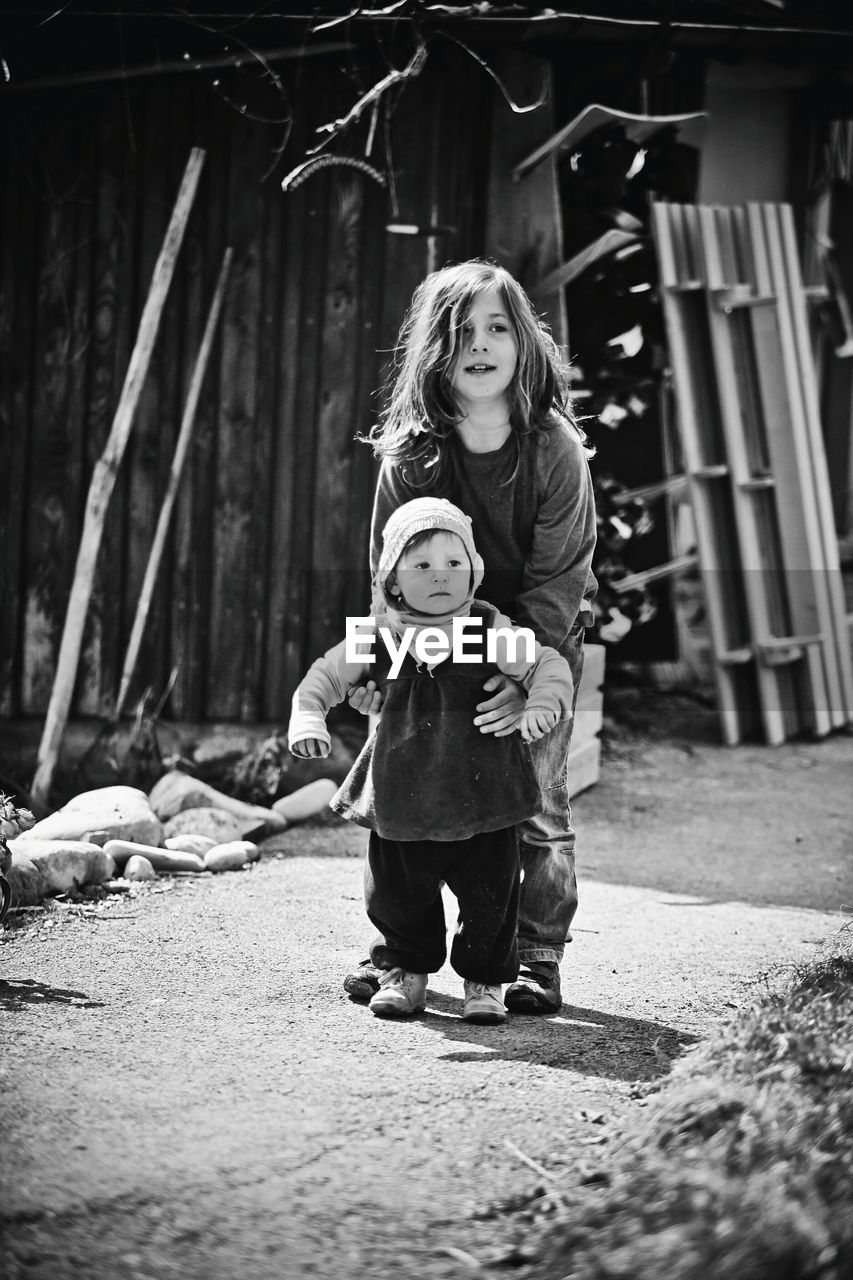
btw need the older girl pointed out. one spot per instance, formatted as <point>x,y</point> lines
<point>479,413</point>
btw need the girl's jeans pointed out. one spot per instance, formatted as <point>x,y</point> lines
<point>549,891</point>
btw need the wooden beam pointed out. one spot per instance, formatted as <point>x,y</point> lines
<point>697,416</point>
<point>178,66</point>
<point>567,271</point>
<point>656,573</point>
<point>649,492</point>
<point>596,116</point>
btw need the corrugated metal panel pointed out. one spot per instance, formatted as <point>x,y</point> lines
<point>268,550</point>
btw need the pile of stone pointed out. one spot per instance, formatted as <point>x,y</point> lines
<point>184,826</point>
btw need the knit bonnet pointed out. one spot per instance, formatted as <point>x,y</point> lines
<point>419,516</point>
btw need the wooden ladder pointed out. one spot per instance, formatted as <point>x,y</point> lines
<point>747,415</point>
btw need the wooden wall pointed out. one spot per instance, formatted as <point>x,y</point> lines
<point>269,544</point>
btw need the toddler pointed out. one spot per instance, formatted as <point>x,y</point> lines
<point>440,798</point>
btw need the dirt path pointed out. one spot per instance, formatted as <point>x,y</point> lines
<point>189,1093</point>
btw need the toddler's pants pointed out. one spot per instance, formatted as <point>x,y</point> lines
<point>402,893</point>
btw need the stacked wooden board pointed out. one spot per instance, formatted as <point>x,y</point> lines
<point>585,752</point>
<point>749,424</point>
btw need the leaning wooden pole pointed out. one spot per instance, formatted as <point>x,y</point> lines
<point>103,482</point>
<point>160,534</point>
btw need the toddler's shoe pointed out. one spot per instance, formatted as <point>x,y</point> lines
<point>400,994</point>
<point>537,989</point>
<point>483,1003</point>
<point>363,983</point>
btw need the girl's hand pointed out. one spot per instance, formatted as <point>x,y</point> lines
<point>309,749</point>
<point>536,722</point>
<point>501,715</point>
<point>366,698</point>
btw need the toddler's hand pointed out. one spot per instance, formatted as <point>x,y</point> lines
<point>536,722</point>
<point>309,749</point>
<point>366,698</point>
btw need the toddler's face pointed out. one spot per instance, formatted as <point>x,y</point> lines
<point>435,577</point>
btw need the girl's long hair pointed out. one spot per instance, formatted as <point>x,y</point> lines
<point>418,423</point>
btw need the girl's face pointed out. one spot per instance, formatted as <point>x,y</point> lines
<point>488,353</point>
<point>434,577</point>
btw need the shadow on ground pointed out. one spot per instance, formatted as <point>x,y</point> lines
<point>581,1040</point>
<point>17,992</point>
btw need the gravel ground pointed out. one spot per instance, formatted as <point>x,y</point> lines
<point>188,1092</point>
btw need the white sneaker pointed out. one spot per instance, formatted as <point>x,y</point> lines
<point>400,994</point>
<point>483,1003</point>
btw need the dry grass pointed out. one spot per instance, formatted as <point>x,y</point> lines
<point>742,1165</point>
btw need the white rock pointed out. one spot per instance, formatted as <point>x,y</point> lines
<point>307,801</point>
<point>189,843</point>
<point>176,792</point>
<point>218,825</point>
<point>224,744</point>
<point>139,868</point>
<point>28,887</point>
<point>161,859</point>
<point>64,866</point>
<point>231,856</point>
<point>117,813</point>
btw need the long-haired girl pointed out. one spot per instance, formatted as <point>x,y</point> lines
<point>478,412</point>
<point>419,423</point>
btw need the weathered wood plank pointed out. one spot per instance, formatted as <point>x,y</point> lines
<point>112,293</point>
<point>699,420</point>
<point>80,356</point>
<point>192,579</point>
<point>282,667</point>
<point>164,518</point>
<point>333,558</point>
<point>363,469</point>
<point>838,649</point>
<point>524,229</point>
<point>234,495</point>
<point>301,584</point>
<point>17,252</point>
<point>53,515</point>
<point>793,522</point>
<point>266,215</point>
<point>759,553</point>
<point>161,160</point>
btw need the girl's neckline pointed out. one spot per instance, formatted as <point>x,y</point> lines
<point>484,453</point>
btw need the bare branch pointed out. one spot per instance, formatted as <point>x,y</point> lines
<point>414,68</point>
<point>511,103</point>
<point>374,118</point>
<point>387,12</point>
<point>335,22</point>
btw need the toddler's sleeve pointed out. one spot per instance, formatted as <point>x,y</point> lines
<point>324,686</point>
